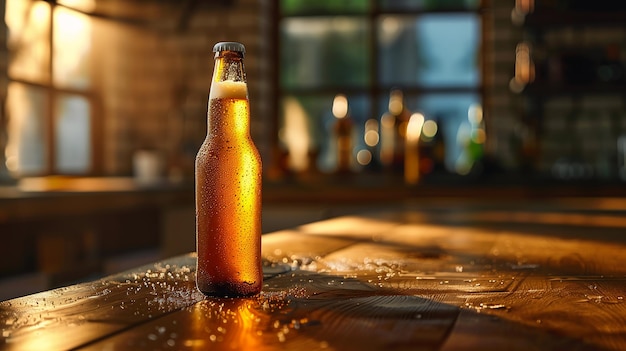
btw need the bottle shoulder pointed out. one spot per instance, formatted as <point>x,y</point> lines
<point>228,147</point>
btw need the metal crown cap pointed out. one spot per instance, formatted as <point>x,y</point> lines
<point>229,46</point>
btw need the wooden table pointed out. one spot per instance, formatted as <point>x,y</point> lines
<point>402,279</point>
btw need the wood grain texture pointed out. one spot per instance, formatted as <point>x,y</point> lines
<point>396,280</point>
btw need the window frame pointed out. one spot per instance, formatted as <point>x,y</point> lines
<point>374,89</point>
<point>52,91</point>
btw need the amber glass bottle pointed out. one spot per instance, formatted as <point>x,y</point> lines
<point>228,186</point>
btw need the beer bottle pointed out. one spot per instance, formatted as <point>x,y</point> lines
<point>228,186</point>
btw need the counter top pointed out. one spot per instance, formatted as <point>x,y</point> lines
<point>401,279</point>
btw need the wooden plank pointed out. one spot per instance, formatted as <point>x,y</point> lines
<point>68,317</point>
<point>555,255</point>
<point>589,309</point>
<point>298,310</point>
<point>295,248</point>
<point>49,334</point>
<point>477,331</point>
<point>401,281</point>
<point>352,227</point>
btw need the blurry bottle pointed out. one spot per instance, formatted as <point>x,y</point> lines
<point>401,117</point>
<point>387,139</point>
<point>412,172</point>
<point>367,157</point>
<point>228,186</point>
<point>439,149</point>
<point>342,130</point>
<point>432,148</point>
<point>478,137</point>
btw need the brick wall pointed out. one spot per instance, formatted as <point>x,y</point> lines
<point>153,79</point>
<point>554,132</point>
<point>503,107</point>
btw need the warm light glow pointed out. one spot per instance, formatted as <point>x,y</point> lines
<point>387,134</point>
<point>296,135</point>
<point>414,127</point>
<point>387,120</point>
<point>371,136</point>
<point>396,102</point>
<point>364,157</point>
<point>28,38</point>
<point>429,129</point>
<point>521,9</point>
<point>525,6</point>
<point>15,9</point>
<point>340,106</point>
<point>371,124</point>
<point>195,344</point>
<point>344,225</point>
<point>390,28</point>
<point>248,325</point>
<point>29,42</point>
<point>231,322</point>
<point>411,151</point>
<point>524,67</point>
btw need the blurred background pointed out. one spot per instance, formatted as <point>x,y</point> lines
<point>355,104</point>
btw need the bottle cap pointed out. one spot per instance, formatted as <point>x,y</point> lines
<point>229,46</point>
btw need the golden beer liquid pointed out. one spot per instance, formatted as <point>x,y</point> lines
<point>228,199</point>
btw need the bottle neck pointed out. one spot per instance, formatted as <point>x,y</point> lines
<point>229,69</point>
<point>228,118</point>
<point>228,99</point>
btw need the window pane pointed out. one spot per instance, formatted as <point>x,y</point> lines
<point>436,50</point>
<point>308,129</point>
<point>72,48</point>
<point>73,134</point>
<point>318,52</point>
<point>293,7</point>
<point>28,23</point>
<point>25,150</point>
<point>428,4</point>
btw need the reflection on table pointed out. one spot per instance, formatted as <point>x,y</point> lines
<point>401,279</point>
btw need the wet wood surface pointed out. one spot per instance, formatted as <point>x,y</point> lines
<point>402,279</point>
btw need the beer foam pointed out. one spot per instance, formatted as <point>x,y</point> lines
<point>228,89</point>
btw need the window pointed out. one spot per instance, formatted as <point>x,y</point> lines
<point>49,102</point>
<point>429,51</point>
